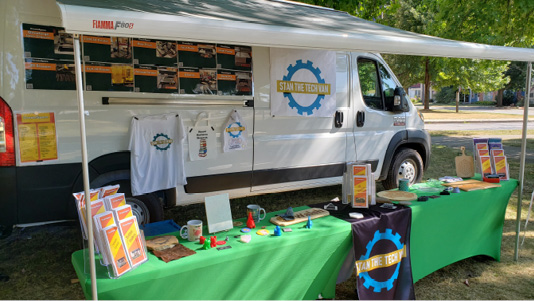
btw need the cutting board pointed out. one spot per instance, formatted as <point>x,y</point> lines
<point>464,165</point>
<point>469,185</point>
<point>397,195</point>
<point>300,216</point>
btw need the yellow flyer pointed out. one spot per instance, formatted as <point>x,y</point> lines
<point>501,167</point>
<point>360,197</point>
<point>37,137</point>
<point>132,240</point>
<point>102,221</point>
<point>485,165</point>
<point>359,170</point>
<point>122,212</point>
<point>115,201</point>
<point>115,248</point>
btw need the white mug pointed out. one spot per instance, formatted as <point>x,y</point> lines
<point>256,212</point>
<point>194,230</point>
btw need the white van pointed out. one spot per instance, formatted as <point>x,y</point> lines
<point>371,119</point>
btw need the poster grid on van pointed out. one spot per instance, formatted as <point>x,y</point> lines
<point>303,83</point>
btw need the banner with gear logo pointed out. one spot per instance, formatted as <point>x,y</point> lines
<point>303,82</point>
<point>382,251</point>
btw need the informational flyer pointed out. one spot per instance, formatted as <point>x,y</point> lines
<point>109,77</point>
<point>234,57</point>
<point>37,137</point>
<point>122,212</point>
<point>197,55</point>
<point>117,251</point>
<point>107,49</point>
<point>198,81</point>
<point>154,52</point>
<point>102,221</point>
<point>115,201</point>
<point>47,42</point>
<point>49,74</point>
<point>156,79</point>
<point>132,241</point>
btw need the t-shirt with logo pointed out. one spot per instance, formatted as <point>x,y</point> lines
<point>156,153</point>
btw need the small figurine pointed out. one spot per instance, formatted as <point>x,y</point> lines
<point>202,239</point>
<point>207,245</point>
<point>309,223</point>
<point>277,231</point>
<point>213,241</point>
<point>250,221</point>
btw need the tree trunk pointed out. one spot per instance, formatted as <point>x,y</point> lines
<point>427,84</point>
<point>499,97</point>
<point>457,99</point>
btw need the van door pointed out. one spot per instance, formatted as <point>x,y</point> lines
<point>374,126</point>
<point>291,149</point>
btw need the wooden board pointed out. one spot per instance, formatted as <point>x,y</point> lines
<point>397,195</point>
<point>464,165</point>
<point>470,185</point>
<point>300,216</point>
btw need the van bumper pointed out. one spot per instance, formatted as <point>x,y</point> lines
<point>32,194</point>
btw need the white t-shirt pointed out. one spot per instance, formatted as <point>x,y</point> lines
<point>156,153</point>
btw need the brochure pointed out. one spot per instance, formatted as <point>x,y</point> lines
<point>122,212</point>
<point>115,249</point>
<point>102,221</point>
<point>133,242</point>
<point>115,201</point>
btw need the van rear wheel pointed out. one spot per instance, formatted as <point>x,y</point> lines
<point>406,164</point>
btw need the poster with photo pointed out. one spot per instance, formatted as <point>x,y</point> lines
<point>234,83</point>
<point>197,55</point>
<point>154,52</point>
<point>108,77</point>
<point>107,49</point>
<point>198,81</point>
<point>156,79</point>
<point>234,57</point>
<point>47,42</point>
<point>49,74</point>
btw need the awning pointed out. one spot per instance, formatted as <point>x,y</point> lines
<point>263,23</point>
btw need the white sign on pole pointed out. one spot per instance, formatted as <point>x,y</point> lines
<point>303,82</point>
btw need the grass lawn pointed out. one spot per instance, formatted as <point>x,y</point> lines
<point>37,259</point>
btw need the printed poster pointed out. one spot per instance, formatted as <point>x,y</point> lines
<point>109,77</point>
<point>154,52</point>
<point>234,57</point>
<point>303,83</point>
<point>37,137</point>
<point>47,42</point>
<point>197,55</point>
<point>234,82</point>
<point>156,79</point>
<point>49,74</point>
<point>107,49</point>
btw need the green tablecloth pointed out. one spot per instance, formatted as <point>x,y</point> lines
<point>457,226</point>
<point>297,265</point>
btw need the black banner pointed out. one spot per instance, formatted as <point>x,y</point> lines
<point>382,252</point>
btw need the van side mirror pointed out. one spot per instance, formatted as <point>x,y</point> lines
<point>398,103</point>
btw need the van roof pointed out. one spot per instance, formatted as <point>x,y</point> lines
<point>272,23</point>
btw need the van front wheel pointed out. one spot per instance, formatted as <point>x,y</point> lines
<point>147,208</point>
<point>406,164</point>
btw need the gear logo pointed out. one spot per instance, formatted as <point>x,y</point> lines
<point>320,88</point>
<point>368,263</point>
<point>235,129</point>
<point>161,142</point>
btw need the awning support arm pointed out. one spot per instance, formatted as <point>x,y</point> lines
<point>522,159</point>
<point>85,165</point>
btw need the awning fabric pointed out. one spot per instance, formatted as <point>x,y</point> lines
<point>263,23</point>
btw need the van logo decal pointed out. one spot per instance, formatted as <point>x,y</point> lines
<point>112,25</point>
<point>161,142</point>
<point>289,87</point>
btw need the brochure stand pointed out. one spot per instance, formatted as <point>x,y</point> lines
<point>119,243</point>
